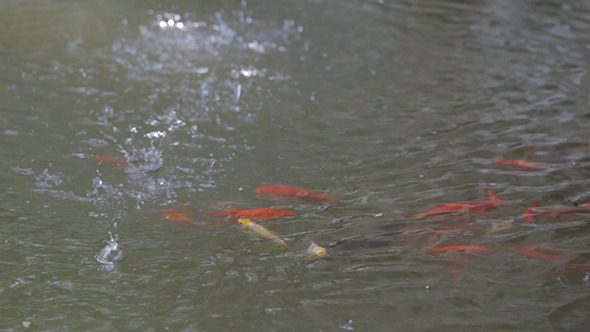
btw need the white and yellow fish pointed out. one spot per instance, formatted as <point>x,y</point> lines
<point>314,249</point>
<point>262,231</point>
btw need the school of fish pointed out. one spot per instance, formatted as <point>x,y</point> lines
<point>435,243</point>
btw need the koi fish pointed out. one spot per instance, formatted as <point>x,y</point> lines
<point>440,233</point>
<point>523,164</point>
<point>455,248</point>
<point>262,231</point>
<point>109,158</point>
<point>529,213</point>
<point>259,213</point>
<point>288,191</point>
<point>533,251</point>
<point>471,207</point>
<point>174,214</point>
<point>534,211</point>
<point>314,249</point>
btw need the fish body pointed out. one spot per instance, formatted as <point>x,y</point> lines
<point>314,249</point>
<point>534,251</point>
<point>534,211</point>
<point>550,253</point>
<point>497,198</point>
<point>259,213</point>
<point>469,207</point>
<point>457,207</point>
<point>262,231</point>
<point>523,164</point>
<point>179,213</point>
<point>457,248</point>
<point>288,191</point>
<point>529,213</point>
<point>171,214</point>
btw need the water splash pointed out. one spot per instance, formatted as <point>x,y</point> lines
<point>111,253</point>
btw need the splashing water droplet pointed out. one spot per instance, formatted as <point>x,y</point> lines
<point>111,253</point>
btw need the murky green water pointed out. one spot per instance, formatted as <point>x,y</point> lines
<point>393,106</point>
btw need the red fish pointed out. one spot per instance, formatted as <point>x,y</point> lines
<point>469,207</point>
<point>288,191</point>
<point>534,252</point>
<point>109,158</point>
<point>455,248</point>
<point>529,213</point>
<point>523,164</point>
<point>176,214</point>
<point>259,213</point>
<point>534,211</point>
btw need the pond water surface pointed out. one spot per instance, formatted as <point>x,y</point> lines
<point>112,112</point>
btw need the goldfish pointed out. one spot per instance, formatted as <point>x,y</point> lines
<point>109,158</point>
<point>259,213</point>
<point>288,191</point>
<point>477,206</point>
<point>534,211</point>
<point>455,248</point>
<point>262,231</point>
<point>523,164</point>
<point>534,252</point>
<point>175,214</point>
<point>314,249</point>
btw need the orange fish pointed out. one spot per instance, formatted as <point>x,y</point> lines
<point>470,207</point>
<point>455,248</point>
<point>534,252</point>
<point>288,191</point>
<point>259,213</point>
<point>523,164</point>
<point>534,211</point>
<point>177,214</point>
<point>109,158</point>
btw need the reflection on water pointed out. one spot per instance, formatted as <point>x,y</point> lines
<point>127,129</point>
